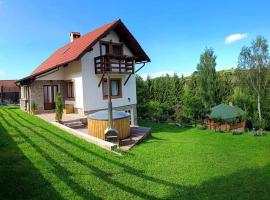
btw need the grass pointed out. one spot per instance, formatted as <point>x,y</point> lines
<point>40,161</point>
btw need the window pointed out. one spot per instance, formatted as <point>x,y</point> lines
<point>111,48</point>
<point>117,50</point>
<point>116,88</point>
<point>70,90</point>
<point>50,93</point>
<point>25,92</point>
<point>104,49</point>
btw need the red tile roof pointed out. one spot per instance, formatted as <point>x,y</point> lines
<point>73,50</point>
<point>79,46</point>
<point>8,86</point>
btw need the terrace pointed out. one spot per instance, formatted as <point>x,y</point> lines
<point>114,64</point>
<point>76,124</point>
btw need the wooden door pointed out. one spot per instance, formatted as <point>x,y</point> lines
<point>50,92</point>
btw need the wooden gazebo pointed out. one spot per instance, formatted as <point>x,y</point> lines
<point>225,117</point>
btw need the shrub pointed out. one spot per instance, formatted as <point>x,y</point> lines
<point>155,111</point>
<point>234,132</point>
<point>258,124</point>
<point>59,107</point>
<point>33,105</point>
<point>184,121</point>
<point>259,132</point>
<point>201,127</point>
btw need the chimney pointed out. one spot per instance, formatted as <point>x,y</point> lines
<point>74,36</point>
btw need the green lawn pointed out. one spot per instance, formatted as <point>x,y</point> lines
<point>40,161</point>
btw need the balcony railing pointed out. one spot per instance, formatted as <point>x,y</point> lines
<point>114,64</point>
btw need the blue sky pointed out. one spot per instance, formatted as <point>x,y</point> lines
<point>173,33</point>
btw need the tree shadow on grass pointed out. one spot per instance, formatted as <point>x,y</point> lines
<point>12,107</point>
<point>127,168</point>
<point>131,170</point>
<point>152,139</point>
<point>60,171</point>
<point>164,127</point>
<point>97,172</point>
<point>244,184</point>
<point>19,179</point>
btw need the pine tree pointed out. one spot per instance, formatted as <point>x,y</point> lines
<point>206,78</point>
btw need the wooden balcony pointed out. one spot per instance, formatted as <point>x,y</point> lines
<point>114,64</point>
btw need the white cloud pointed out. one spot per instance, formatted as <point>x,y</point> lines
<point>163,73</point>
<point>235,37</point>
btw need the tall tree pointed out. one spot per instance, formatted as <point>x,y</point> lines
<point>224,86</point>
<point>192,105</point>
<point>142,91</point>
<point>143,96</point>
<point>254,69</point>
<point>206,78</point>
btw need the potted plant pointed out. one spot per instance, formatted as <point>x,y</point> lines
<point>59,107</point>
<point>33,107</point>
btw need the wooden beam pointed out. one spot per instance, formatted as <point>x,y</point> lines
<point>100,80</point>
<point>127,79</point>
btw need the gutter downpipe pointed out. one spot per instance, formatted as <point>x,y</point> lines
<point>140,67</point>
<point>135,72</point>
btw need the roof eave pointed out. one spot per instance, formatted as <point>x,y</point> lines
<point>143,58</point>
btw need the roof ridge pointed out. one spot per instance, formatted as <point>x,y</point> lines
<point>75,42</point>
<point>77,48</point>
<point>96,29</point>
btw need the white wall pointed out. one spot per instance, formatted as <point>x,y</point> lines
<point>74,72</point>
<point>57,75</point>
<point>93,97</point>
<point>71,72</point>
<point>88,95</point>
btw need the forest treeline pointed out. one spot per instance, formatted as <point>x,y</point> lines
<point>187,100</point>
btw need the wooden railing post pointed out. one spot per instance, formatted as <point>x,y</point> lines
<point>115,64</point>
<point>119,65</point>
<point>132,66</point>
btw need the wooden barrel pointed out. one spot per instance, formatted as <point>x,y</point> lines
<point>98,122</point>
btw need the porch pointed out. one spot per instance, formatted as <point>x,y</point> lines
<point>114,64</point>
<point>77,124</point>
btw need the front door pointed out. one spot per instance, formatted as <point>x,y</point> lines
<point>50,92</point>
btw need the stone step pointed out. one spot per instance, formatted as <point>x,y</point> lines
<point>76,120</point>
<point>75,124</point>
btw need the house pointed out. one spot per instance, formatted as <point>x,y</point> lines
<point>9,92</point>
<point>225,117</point>
<point>78,72</point>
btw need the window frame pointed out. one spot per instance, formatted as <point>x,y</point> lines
<point>107,50</point>
<point>110,46</point>
<point>67,97</point>
<point>25,92</point>
<point>119,80</point>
